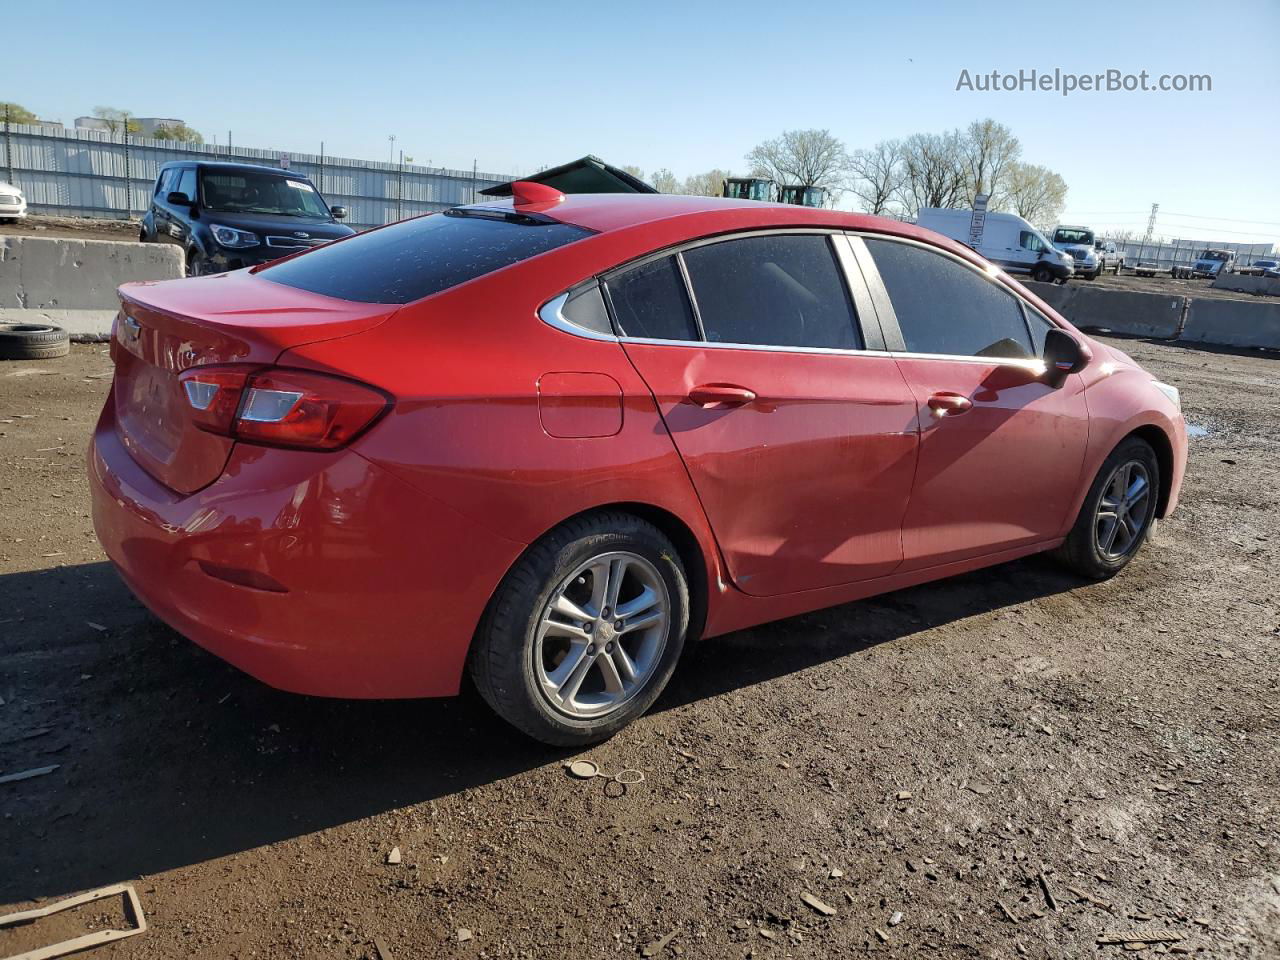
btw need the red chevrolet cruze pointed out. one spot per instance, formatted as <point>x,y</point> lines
<point>547,441</point>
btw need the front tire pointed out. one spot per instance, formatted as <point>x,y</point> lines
<point>1118,513</point>
<point>1042,274</point>
<point>584,632</point>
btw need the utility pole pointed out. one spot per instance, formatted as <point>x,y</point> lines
<point>400,190</point>
<point>322,166</point>
<point>473,180</point>
<point>391,148</point>
<point>128,175</point>
<point>8,145</point>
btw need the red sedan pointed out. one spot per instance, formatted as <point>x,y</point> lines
<point>548,441</point>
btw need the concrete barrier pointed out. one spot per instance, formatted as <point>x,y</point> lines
<point>1234,323</point>
<point>38,273</point>
<point>1269,286</point>
<point>1121,311</point>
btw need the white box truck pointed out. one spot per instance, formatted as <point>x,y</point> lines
<point>1007,241</point>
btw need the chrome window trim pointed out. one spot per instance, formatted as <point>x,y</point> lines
<point>551,312</point>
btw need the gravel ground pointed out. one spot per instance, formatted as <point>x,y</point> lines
<point>1198,289</point>
<point>1008,763</point>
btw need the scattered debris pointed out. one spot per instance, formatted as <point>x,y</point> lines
<point>224,699</point>
<point>1048,893</point>
<point>1124,939</point>
<point>84,942</point>
<point>981,789</point>
<point>896,918</point>
<point>1009,914</point>
<point>657,946</point>
<point>615,785</point>
<point>836,873</point>
<point>1089,898</point>
<point>823,908</point>
<point>464,934</point>
<point>28,774</point>
<point>394,856</point>
<point>96,626</point>
<point>384,952</point>
<point>884,937</point>
<point>903,795</point>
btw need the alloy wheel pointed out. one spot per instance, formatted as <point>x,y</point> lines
<point>1122,510</point>
<point>602,634</point>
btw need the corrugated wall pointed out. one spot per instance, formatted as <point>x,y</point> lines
<point>85,173</point>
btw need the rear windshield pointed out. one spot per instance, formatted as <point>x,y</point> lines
<point>416,258</point>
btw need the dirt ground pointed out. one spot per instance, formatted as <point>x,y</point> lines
<point>78,228</point>
<point>1199,289</point>
<point>1009,763</point>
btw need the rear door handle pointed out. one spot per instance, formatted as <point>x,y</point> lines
<point>949,404</point>
<point>721,395</point>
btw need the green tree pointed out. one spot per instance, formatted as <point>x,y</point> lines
<point>180,131</point>
<point>16,113</point>
<point>117,121</point>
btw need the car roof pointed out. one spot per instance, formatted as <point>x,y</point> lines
<point>231,166</point>
<point>610,212</point>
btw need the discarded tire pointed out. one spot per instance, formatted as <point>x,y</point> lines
<point>33,341</point>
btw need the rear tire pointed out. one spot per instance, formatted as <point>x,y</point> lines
<point>1117,514</point>
<point>556,655</point>
<point>33,341</point>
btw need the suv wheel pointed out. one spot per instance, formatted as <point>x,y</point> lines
<point>585,630</point>
<point>197,263</point>
<point>1042,274</point>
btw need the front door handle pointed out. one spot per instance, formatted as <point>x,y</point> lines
<point>949,404</point>
<point>721,395</point>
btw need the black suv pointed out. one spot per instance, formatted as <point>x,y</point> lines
<point>231,215</point>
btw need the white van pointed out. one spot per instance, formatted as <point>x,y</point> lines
<point>1007,241</point>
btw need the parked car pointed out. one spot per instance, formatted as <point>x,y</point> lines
<point>1007,240</point>
<point>1265,267</point>
<point>549,442</point>
<point>227,216</point>
<point>13,202</point>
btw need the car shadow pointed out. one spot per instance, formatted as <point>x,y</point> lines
<point>168,757</point>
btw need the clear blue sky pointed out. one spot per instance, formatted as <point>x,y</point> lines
<point>690,85</point>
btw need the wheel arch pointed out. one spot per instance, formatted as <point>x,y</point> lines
<point>1159,441</point>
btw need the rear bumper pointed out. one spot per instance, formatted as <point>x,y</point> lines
<point>317,573</point>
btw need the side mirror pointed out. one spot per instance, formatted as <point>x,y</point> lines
<point>1063,356</point>
<point>339,212</point>
<point>179,199</point>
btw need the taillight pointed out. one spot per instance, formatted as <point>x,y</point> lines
<point>281,407</point>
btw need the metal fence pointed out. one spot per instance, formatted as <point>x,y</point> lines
<point>1165,255</point>
<point>88,173</point>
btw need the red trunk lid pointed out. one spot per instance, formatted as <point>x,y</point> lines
<point>170,326</point>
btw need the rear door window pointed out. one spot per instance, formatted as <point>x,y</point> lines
<point>417,258</point>
<point>782,290</point>
<point>650,301</point>
<point>945,307</point>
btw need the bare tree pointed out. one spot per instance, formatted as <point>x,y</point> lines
<point>876,176</point>
<point>709,184</point>
<point>664,181</point>
<point>806,158</point>
<point>117,121</point>
<point>990,150</point>
<point>1035,193</point>
<point>634,171</point>
<point>933,171</point>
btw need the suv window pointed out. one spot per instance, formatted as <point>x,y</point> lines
<point>416,258</point>
<point>945,307</point>
<point>187,183</point>
<point>783,290</point>
<point>650,301</point>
